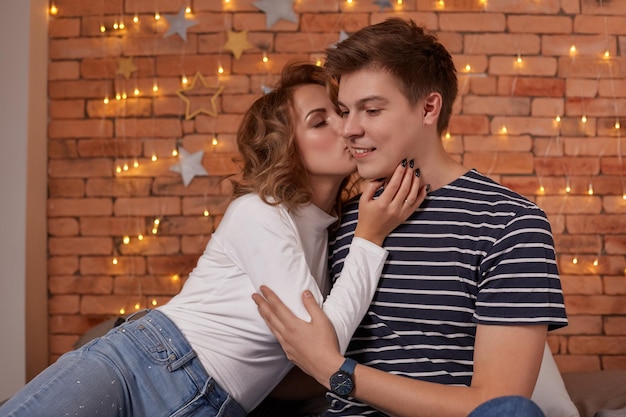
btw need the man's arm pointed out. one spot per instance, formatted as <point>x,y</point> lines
<point>506,362</point>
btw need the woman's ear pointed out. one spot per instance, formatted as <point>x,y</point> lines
<point>432,108</point>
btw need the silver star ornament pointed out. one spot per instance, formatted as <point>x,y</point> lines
<point>178,24</point>
<point>276,10</point>
<point>189,166</point>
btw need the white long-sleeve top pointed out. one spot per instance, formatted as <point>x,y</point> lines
<point>259,244</point>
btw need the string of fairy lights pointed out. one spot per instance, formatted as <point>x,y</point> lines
<point>127,86</point>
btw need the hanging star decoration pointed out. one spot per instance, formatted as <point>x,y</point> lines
<point>178,24</point>
<point>237,43</point>
<point>276,10</point>
<point>189,166</point>
<point>195,97</point>
<point>342,37</point>
<point>383,4</point>
<point>126,67</point>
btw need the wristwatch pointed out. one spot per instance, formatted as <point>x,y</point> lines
<point>342,381</point>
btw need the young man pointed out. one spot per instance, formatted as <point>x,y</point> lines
<point>470,286</point>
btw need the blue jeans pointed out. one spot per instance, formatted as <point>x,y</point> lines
<point>509,406</point>
<point>144,367</point>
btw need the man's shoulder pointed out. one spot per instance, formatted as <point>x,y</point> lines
<point>489,191</point>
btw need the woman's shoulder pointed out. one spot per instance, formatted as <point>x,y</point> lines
<point>252,205</point>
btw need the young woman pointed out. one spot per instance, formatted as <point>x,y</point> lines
<point>208,352</point>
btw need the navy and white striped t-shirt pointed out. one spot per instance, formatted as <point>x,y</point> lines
<point>474,252</point>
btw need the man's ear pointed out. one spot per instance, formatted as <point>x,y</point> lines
<point>432,108</point>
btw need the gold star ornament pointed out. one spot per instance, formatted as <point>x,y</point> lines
<point>200,97</point>
<point>237,43</point>
<point>126,67</point>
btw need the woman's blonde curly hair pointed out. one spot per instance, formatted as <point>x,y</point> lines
<point>266,140</point>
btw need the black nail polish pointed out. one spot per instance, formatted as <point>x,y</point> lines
<point>411,163</point>
<point>417,172</point>
<point>404,163</point>
<point>427,188</point>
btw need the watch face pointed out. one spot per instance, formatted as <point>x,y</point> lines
<point>341,383</point>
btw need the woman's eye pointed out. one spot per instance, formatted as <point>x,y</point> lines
<point>321,123</point>
<point>373,112</point>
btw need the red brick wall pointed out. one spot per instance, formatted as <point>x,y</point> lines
<point>92,207</point>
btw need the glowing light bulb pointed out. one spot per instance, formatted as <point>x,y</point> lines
<point>114,261</point>
<point>124,95</point>
<point>542,189</point>
<point>624,196</point>
<point>318,62</point>
<point>118,96</point>
<point>137,306</point>
<point>118,169</point>
<point>136,19</point>
<point>504,130</point>
<point>157,16</point>
<point>155,87</point>
<point>175,152</point>
<point>441,3</point>
<point>122,311</point>
<point>583,119</point>
<point>139,236</point>
<point>154,302</point>
<point>607,54</point>
<point>265,58</point>
<point>175,278</point>
<point>125,168</point>
<point>116,26</point>
<point>558,119</point>
<point>399,2</point>
<point>122,25</point>
<point>617,124</point>
<point>575,260</point>
<point>135,164</point>
<point>136,91</point>
<point>184,80</point>
<point>572,49</point>
<point>448,135</point>
<point>568,189</point>
<point>154,157</point>
<point>468,67</point>
<point>106,100</point>
<point>154,230</point>
<point>590,189</point>
<point>349,1</point>
<point>519,59</point>
<point>103,28</point>
<point>214,141</point>
<point>595,262</point>
<point>206,213</point>
<point>126,240</point>
<point>220,69</point>
<point>54,10</point>
<point>187,9</point>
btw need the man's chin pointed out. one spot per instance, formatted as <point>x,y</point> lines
<point>371,174</point>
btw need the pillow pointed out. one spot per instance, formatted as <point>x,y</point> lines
<point>550,393</point>
<point>601,393</point>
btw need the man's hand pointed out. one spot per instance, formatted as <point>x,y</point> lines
<point>311,346</point>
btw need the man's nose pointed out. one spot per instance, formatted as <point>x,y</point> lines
<point>350,127</point>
